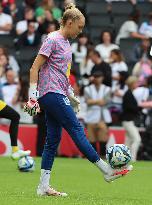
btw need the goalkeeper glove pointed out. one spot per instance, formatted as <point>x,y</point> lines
<point>32,107</point>
<point>74,101</point>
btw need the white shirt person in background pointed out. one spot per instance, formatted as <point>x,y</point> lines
<point>129,28</point>
<point>97,96</point>
<point>117,64</point>
<point>106,46</point>
<point>6,22</point>
<point>79,49</point>
<point>146,27</point>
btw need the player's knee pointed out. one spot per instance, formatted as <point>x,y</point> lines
<point>16,117</point>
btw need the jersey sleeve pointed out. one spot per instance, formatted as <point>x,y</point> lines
<point>47,47</point>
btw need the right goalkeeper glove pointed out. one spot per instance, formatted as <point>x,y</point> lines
<point>74,101</point>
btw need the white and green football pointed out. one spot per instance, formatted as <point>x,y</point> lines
<point>118,155</point>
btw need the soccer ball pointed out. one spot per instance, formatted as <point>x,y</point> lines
<point>118,155</point>
<point>26,164</point>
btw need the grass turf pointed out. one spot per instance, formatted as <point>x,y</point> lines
<point>80,179</point>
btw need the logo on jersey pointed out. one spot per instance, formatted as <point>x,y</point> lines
<point>66,100</point>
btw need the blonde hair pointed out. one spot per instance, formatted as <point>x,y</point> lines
<point>71,12</point>
<point>131,80</point>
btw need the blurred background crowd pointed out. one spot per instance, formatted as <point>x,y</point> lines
<point>110,57</point>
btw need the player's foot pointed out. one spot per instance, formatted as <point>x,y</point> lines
<point>117,173</point>
<point>20,153</point>
<point>49,191</point>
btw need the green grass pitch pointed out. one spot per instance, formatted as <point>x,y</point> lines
<point>80,179</point>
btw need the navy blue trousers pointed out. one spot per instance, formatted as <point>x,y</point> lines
<point>58,114</point>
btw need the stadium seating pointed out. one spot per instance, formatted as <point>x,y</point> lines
<point>121,8</point>
<point>96,7</point>
<point>126,46</point>
<point>7,40</point>
<point>99,20</point>
<point>144,7</point>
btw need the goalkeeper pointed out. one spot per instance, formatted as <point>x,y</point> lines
<point>49,83</point>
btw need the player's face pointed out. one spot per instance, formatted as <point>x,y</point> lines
<point>76,27</point>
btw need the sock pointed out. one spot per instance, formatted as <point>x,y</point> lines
<point>103,148</point>
<point>45,177</point>
<point>94,145</point>
<point>15,149</point>
<point>103,166</point>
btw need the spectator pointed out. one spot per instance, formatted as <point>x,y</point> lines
<point>21,26</point>
<point>22,6</point>
<point>30,37</point>
<point>9,88</point>
<point>79,49</point>
<point>97,96</point>
<point>106,46</point>
<point>48,5</point>
<point>142,95</point>
<point>100,65</point>
<point>13,12</point>
<point>6,22</point>
<point>85,68</point>
<point>6,5</point>
<point>129,28</point>
<point>141,51</point>
<point>118,92</point>
<point>11,59</point>
<point>148,103</point>
<point>45,20</point>
<point>30,3</point>
<point>52,26</point>
<point>9,7</point>
<point>129,114</point>
<point>146,27</point>
<point>117,65</point>
<point>142,70</point>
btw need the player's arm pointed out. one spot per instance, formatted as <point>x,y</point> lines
<point>138,35</point>
<point>90,101</point>
<point>32,106</point>
<point>39,61</point>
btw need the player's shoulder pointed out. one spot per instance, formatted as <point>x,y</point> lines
<point>54,36</point>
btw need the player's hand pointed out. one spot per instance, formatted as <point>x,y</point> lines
<point>74,101</point>
<point>32,107</point>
